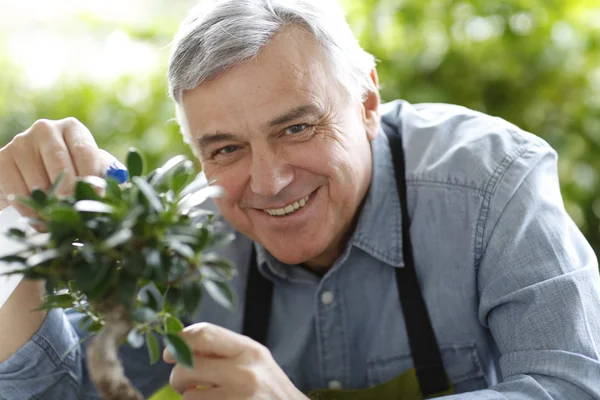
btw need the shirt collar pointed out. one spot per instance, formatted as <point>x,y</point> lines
<point>378,231</point>
<point>379,228</point>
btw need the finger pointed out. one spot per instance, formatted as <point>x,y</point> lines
<point>206,338</point>
<point>207,373</point>
<point>30,165</point>
<point>217,393</point>
<point>87,158</point>
<point>57,160</point>
<point>13,184</point>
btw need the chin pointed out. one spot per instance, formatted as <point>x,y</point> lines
<point>297,256</point>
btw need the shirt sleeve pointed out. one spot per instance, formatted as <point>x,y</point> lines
<point>44,368</point>
<point>539,288</point>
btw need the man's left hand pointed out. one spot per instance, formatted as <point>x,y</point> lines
<point>228,365</point>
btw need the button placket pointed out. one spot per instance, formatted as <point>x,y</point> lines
<point>330,329</point>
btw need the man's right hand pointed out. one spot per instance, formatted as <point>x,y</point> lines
<point>35,158</point>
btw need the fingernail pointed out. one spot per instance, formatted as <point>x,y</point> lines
<point>118,172</point>
<point>167,357</point>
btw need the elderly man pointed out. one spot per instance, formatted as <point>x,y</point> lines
<point>384,251</point>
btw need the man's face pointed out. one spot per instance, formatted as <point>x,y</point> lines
<point>292,153</point>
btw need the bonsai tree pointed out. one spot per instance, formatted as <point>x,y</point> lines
<point>133,257</point>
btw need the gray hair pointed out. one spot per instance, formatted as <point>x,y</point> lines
<point>219,34</point>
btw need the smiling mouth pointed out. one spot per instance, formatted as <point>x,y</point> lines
<point>288,209</point>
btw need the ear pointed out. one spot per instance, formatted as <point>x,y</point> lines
<point>370,107</point>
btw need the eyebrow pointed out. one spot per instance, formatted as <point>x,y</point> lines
<point>294,114</point>
<point>287,117</point>
<point>211,138</point>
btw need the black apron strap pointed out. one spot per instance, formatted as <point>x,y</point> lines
<point>424,348</point>
<point>423,344</point>
<point>257,307</point>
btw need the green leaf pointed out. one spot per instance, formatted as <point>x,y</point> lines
<point>75,346</point>
<point>29,203</point>
<point>118,238</point>
<point>64,215</point>
<point>55,184</point>
<point>221,265</point>
<point>220,292</point>
<point>113,190</point>
<point>153,347</point>
<point>148,299</point>
<point>174,300</point>
<point>16,233</point>
<point>166,169</point>
<point>135,163</point>
<point>180,350</point>
<point>182,176</point>
<point>135,339</point>
<point>51,283</point>
<point>173,324</point>
<point>93,206</point>
<point>192,295</point>
<point>126,289</point>
<point>85,191</point>
<point>16,258</point>
<point>95,326</point>
<point>39,197</point>
<point>149,193</point>
<point>143,314</point>
<point>64,300</point>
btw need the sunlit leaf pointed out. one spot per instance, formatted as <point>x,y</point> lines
<point>42,257</point>
<point>149,193</point>
<point>144,314</point>
<point>135,338</point>
<point>118,238</point>
<point>199,197</point>
<point>95,181</point>
<point>181,248</point>
<point>166,169</point>
<point>220,292</point>
<point>93,206</point>
<point>173,324</point>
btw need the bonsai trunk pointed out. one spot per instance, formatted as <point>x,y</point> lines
<point>103,363</point>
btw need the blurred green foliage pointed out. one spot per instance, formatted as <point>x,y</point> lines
<point>535,63</point>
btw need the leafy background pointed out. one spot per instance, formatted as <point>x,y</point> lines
<point>535,63</point>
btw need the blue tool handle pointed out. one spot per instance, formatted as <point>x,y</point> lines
<point>118,172</point>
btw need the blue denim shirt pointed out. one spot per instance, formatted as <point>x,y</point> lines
<point>511,284</point>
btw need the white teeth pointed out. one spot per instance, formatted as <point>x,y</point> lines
<point>290,208</point>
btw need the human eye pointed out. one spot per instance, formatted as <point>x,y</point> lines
<point>296,129</point>
<point>225,150</point>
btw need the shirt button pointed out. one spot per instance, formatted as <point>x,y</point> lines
<point>335,385</point>
<point>327,297</point>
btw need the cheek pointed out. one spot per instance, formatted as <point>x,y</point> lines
<point>232,181</point>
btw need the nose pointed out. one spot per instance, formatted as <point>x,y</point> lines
<point>270,173</point>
